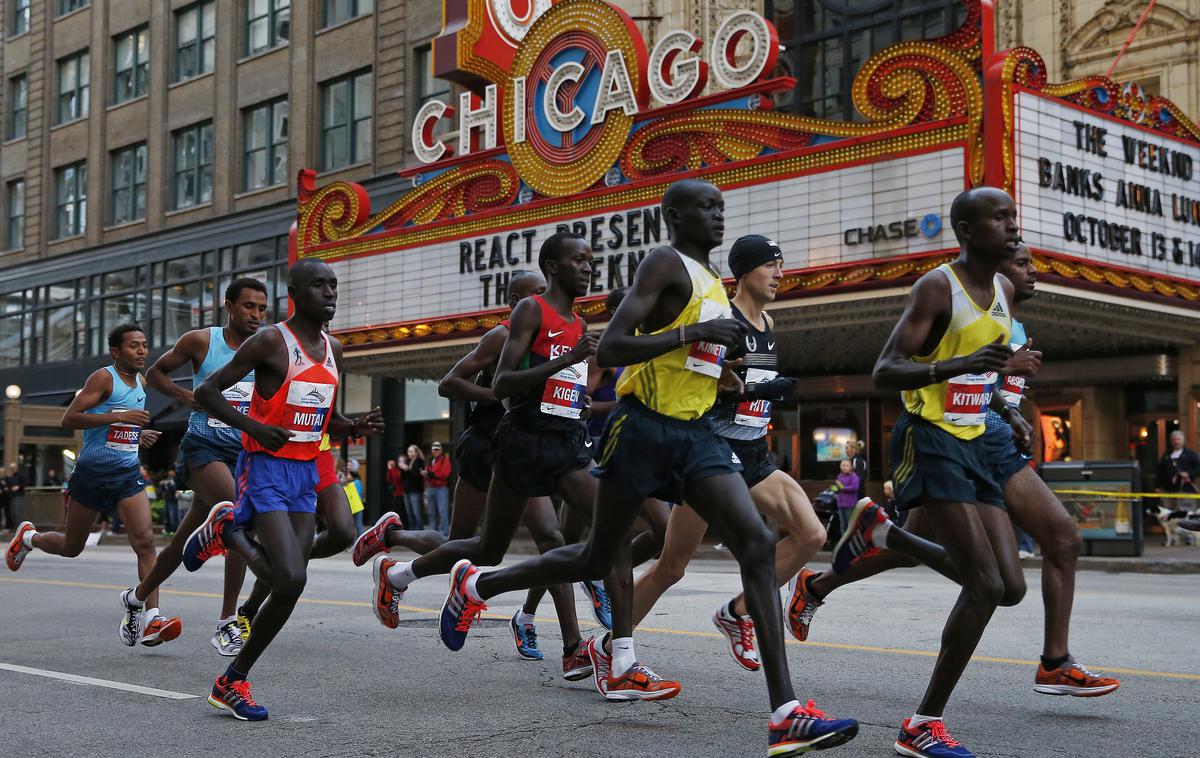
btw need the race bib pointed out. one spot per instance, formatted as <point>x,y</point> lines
<point>123,438</point>
<point>705,357</point>
<point>967,398</point>
<point>563,395</point>
<point>307,410</point>
<point>757,413</point>
<point>1012,389</point>
<point>239,397</point>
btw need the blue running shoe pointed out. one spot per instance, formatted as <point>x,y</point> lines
<point>525,638</point>
<point>929,740</point>
<point>807,728</point>
<point>856,542</point>
<point>206,541</point>
<point>459,611</point>
<point>234,696</point>
<point>601,606</point>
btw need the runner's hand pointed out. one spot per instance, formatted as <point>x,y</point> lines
<point>148,437</point>
<point>585,348</point>
<point>370,423</point>
<point>136,418</point>
<point>1022,432</point>
<point>993,356</point>
<point>729,381</point>
<point>1024,362</point>
<point>778,389</point>
<point>585,413</point>
<point>270,437</point>
<point>722,331</point>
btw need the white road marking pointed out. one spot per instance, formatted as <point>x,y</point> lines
<point>76,679</point>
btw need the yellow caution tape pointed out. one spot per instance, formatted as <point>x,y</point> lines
<point>1130,495</point>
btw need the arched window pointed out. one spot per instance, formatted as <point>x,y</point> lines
<point>828,41</point>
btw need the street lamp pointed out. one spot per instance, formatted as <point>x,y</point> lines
<point>13,392</point>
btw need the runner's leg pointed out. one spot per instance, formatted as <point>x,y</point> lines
<point>685,531</point>
<point>68,543</point>
<point>139,526</point>
<point>339,532</point>
<point>542,521</point>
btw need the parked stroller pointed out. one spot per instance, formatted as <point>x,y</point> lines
<point>825,506</point>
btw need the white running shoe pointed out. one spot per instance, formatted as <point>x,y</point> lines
<point>228,639</point>
<point>131,621</point>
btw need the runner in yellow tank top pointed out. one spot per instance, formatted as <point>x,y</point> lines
<point>951,340</point>
<point>671,332</point>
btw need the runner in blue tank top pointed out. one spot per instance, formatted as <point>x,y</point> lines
<point>111,411</point>
<point>208,451</point>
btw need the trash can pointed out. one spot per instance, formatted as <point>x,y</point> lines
<point>1108,524</point>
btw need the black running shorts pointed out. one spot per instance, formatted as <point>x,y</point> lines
<point>655,455</point>
<point>531,461</point>
<point>476,456</point>
<point>1001,453</point>
<point>930,463</point>
<point>755,457</point>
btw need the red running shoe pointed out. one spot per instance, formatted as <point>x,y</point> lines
<point>374,541</point>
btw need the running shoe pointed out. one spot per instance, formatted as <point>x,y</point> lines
<point>640,683</point>
<point>206,541</point>
<point>161,629</point>
<point>131,621</point>
<point>374,541</point>
<point>243,622</point>
<point>929,740</point>
<point>856,542</point>
<point>739,632</point>
<point>576,664</point>
<point>15,555</point>
<point>601,605</point>
<point>228,639</point>
<point>386,597</point>
<point>459,611</point>
<point>525,638</point>
<point>808,728</point>
<point>1072,678</point>
<point>601,663</point>
<point>235,697</point>
<point>803,606</point>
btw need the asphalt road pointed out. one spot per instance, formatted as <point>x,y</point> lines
<point>337,683</point>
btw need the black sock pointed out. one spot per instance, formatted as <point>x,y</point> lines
<point>247,612</point>
<point>233,675</point>
<point>1052,663</point>
<point>571,650</point>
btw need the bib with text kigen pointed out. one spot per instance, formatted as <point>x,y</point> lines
<point>239,397</point>
<point>967,398</point>
<point>563,395</point>
<point>705,357</point>
<point>307,406</point>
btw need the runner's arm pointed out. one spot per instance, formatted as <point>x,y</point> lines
<point>459,383</point>
<point>96,390</point>
<point>158,376</point>
<point>523,327</point>
<point>619,346</point>
<point>253,353</point>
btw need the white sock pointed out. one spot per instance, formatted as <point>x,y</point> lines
<point>150,613</point>
<point>879,533</point>
<point>524,619</point>
<point>623,655</point>
<point>917,719</point>
<point>471,591</point>
<point>782,711</point>
<point>401,575</point>
<point>224,621</point>
<point>27,540</point>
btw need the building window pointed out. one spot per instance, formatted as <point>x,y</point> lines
<point>74,75</point>
<point>828,41</point>
<point>128,184</point>
<point>268,24</point>
<point>428,86</point>
<point>193,153</point>
<point>18,106</point>
<point>70,200</point>
<point>20,18</point>
<point>14,235</point>
<point>264,134</point>
<point>66,6</point>
<point>346,120</point>
<point>132,59</point>
<point>195,40</point>
<point>337,11</point>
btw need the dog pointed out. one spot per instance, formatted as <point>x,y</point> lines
<point>1168,519</point>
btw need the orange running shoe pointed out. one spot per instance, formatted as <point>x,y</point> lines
<point>640,683</point>
<point>803,606</point>
<point>1073,679</point>
<point>161,629</point>
<point>386,598</point>
<point>15,555</point>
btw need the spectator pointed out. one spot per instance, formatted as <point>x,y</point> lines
<point>168,488</point>
<point>889,501</point>
<point>857,453</point>
<point>18,480</point>
<point>52,479</point>
<point>847,492</point>
<point>354,495</point>
<point>437,489</point>
<point>6,505</point>
<point>412,467</point>
<point>395,487</point>
<point>1178,469</point>
<point>352,465</point>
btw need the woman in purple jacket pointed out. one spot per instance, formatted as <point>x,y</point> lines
<point>847,493</point>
